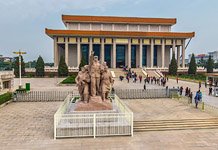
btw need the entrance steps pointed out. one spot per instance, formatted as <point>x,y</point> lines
<point>170,125</point>
<point>119,72</point>
<point>152,73</point>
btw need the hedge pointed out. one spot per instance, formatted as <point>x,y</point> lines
<point>69,80</point>
<point>5,97</point>
<point>200,77</point>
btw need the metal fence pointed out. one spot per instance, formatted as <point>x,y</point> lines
<point>93,124</point>
<point>201,105</point>
<point>40,96</point>
<point>142,94</point>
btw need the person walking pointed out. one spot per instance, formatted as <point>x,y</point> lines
<point>140,78</point>
<point>199,84</point>
<point>145,86</point>
<point>196,99</point>
<point>190,97</point>
<point>210,90</point>
<point>177,79</point>
<point>181,90</point>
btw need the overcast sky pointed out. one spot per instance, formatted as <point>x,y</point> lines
<point>23,22</point>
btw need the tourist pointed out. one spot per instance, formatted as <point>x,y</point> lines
<point>210,90</point>
<point>200,96</point>
<point>144,86</point>
<point>205,84</point>
<point>127,79</point>
<point>181,90</point>
<point>196,99</point>
<point>189,91</point>
<point>177,79</point>
<point>186,91</point>
<point>190,97</point>
<point>140,79</point>
<point>199,85</point>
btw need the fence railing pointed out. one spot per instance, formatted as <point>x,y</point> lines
<point>142,94</point>
<point>93,123</point>
<point>201,105</point>
<point>40,96</point>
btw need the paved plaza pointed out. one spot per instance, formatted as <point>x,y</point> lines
<point>29,125</point>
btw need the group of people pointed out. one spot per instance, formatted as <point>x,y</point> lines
<point>159,81</point>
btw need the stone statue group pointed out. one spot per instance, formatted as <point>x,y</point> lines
<point>94,80</point>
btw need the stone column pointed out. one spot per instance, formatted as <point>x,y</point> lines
<point>178,56</point>
<point>183,53</point>
<point>152,53</point>
<point>114,54</point>
<point>163,53</point>
<point>174,46</point>
<point>129,53</point>
<point>90,46</point>
<point>78,52</point>
<point>66,51</point>
<point>55,52</point>
<point>140,53</point>
<point>102,50</point>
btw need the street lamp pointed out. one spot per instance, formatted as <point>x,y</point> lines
<point>19,53</point>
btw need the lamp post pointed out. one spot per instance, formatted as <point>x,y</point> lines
<point>19,53</point>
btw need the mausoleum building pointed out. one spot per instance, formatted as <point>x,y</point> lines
<point>119,41</point>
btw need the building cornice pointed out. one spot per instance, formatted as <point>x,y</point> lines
<point>83,33</point>
<point>116,19</point>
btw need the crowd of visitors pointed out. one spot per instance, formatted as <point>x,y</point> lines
<point>131,75</point>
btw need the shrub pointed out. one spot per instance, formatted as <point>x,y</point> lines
<point>5,97</point>
<point>21,90</point>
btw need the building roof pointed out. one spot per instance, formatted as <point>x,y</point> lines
<point>115,19</point>
<point>52,33</point>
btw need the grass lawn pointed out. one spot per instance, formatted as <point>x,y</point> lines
<point>5,97</point>
<point>192,78</point>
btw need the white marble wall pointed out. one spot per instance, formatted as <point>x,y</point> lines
<point>118,27</point>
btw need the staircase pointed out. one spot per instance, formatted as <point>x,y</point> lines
<point>152,73</point>
<point>168,125</point>
<point>119,72</point>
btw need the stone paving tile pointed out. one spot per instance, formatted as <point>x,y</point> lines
<point>29,125</point>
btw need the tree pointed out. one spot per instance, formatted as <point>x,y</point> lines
<point>192,65</point>
<point>82,63</point>
<point>40,67</point>
<point>201,62</point>
<point>15,65</point>
<point>173,66</point>
<point>210,65</point>
<point>62,67</point>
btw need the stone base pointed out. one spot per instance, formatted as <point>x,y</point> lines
<point>95,104</point>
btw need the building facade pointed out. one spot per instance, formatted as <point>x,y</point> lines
<point>6,81</point>
<point>119,41</point>
<point>214,56</point>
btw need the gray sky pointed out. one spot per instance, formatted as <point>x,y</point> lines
<point>23,22</point>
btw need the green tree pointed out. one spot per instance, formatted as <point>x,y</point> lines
<point>82,63</point>
<point>201,62</point>
<point>40,67</point>
<point>62,67</point>
<point>173,66</point>
<point>210,65</point>
<point>15,65</point>
<point>192,65</point>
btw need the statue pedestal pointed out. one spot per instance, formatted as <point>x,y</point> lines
<point>95,104</point>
